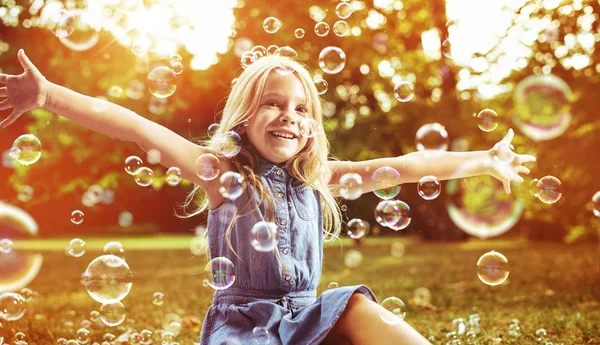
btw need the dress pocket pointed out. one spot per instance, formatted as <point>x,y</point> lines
<point>218,316</point>
<point>305,202</point>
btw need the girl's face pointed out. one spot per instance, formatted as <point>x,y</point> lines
<point>274,130</point>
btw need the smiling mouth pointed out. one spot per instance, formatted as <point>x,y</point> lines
<point>282,135</point>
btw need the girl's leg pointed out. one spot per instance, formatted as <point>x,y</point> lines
<point>362,325</point>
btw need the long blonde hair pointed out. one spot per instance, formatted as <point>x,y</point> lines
<point>309,165</point>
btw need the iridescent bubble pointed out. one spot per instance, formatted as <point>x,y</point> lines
<point>542,106</point>
<point>387,212</point>
<point>447,48</point>
<point>6,246</point>
<point>173,176</point>
<point>161,82</point>
<point>232,185</point>
<point>351,186</point>
<point>158,299</point>
<point>341,28</point>
<point>397,249</point>
<point>386,182</point>
<point>144,177</point>
<point>299,33</point>
<point>107,279</point>
<point>62,23</point>
<point>114,248</point>
<point>61,341</point>
<point>404,91</point>
<point>356,228</point>
<point>533,188</point>
<point>309,128</point>
<point>177,68</point>
<point>133,164</point>
<point>12,306</point>
<point>19,336</point>
<point>333,285</point>
<point>492,268</point>
<point>595,204</point>
<point>287,52</point>
<point>29,149</point>
<point>71,341</point>
<point>222,272</point>
<point>146,337</point>
<point>229,144</point>
<point>247,59</point>
<point>404,218</point>
<point>550,189</point>
<point>26,293</point>
<point>353,258</point>
<point>207,166</point>
<point>125,219</point>
<point>271,25</point>
<point>112,314</point>
<point>76,247</point>
<point>343,10</point>
<point>259,51</point>
<point>332,60</point>
<point>212,129</point>
<point>396,310</point>
<point>487,120</point>
<point>83,336</point>
<point>321,85</point>
<point>84,28</point>
<point>263,236</point>
<point>174,58</point>
<point>432,136</point>
<point>261,336</point>
<point>94,315</point>
<point>272,49</point>
<point>429,187</point>
<point>422,296</point>
<point>77,217</point>
<point>321,29</point>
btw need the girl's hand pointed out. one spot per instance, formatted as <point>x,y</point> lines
<point>505,165</point>
<point>24,92</point>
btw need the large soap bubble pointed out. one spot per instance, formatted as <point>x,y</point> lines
<point>107,279</point>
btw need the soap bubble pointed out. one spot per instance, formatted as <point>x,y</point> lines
<point>6,246</point>
<point>533,188</point>
<point>447,48</point>
<point>429,187</point>
<point>261,336</point>
<point>309,128</point>
<point>12,306</point>
<point>76,247</point>
<point>299,33</point>
<point>287,52</point>
<point>133,164</point>
<point>158,299</point>
<point>271,25</point>
<point>28,149</point>
<point>259,51</point>
<point>264,236</point>
<point>207,166</point>
<point>432,136</point>
<point>144,177</point>
<point>487,120</point>
<point>222,272</point>
<point>351,186</point>
<point>107,279</point>
<point>212,129</point>
<point>550,189</point>
<point>62,23</point>
<point>114,248</point>
<point>333,285</point>
<point>112,314</point>
<point>162,82</point>
<point>77,217</point>
<point>403,211</point>
<point>229,144</point>
<point>542,106</point>
<point>341,28</point>
<point>596,204</point>
<point>404,91</point>
<point>83,28</point>
<point>173,176</point>
<point>492,268</point>
<point>321,29</point>
<point>343,10</point>
<point>177,68</point>
<point>321,85</point>
<point>396,307</point>
<point>232,185</point>
<point>386,182</point>
<point>356,228</point>
<point>332,60</point>
<point>83,336</point>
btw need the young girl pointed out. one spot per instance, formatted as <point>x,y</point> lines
<point>290,182</point>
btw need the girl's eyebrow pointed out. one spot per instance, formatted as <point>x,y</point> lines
<point>300,99</point>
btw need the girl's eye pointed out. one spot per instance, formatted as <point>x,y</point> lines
<point>302,109</point>
<point>272,103</point>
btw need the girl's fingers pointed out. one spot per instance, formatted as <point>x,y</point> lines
<point>523,170</point>
<point>27,65</point>
<point>509,136</point>
<point>5,104</point>
<point>527,158</point>
<point>3,92</point>
<point>507,187</point>
<point>12,118</point>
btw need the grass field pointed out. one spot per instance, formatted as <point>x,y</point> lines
<point>551,286</point>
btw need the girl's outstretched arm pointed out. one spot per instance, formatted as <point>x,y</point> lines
<point>30,90</point>
<point>500,162</point>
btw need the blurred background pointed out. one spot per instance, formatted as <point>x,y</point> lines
<point>534,63</point>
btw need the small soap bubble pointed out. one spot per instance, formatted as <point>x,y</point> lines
<point>386,182</point>
<point>158,299</point>
<point>341,28</point>
<point>19,336</point>
<point>404,218</point>
<point>321,85</point>
<point>207,166</point>
<point>177,68</point>
<point>351,186</point>
<point>271,25</point>
<point>492,268</point>
<point>107,279</point>
<point>28,149</point>
<point>112,314</point>
<point>333,285</point>
<point>299,33</point>
<point>6,246</point>
<point>144,177</point>
<point>26,293</point>
<point>309,128</point>
<point>533,188</point>
<point>447,48</point>
<point>62,23</point>
<point>397,249</point>
<point>261,336</point>
<point>61,341</point>
<point>287,52</point>
<point>387,212</point>
<point>596,204</point>
<point>356,228</point>
<point>94,315</point>
<point>396,307</point>
<point>174,58</point>
<point>76,247</point>
<point>222,273</point>
<point>344,208</point>
<point>343,10</point>
<point>146,337</point>
<point>77,217</point>
<point>259,51</point>
<point>432,136</point>
<point>161,82</point>
<point>263,236</point>
<point>353,258</point>
<point>550,189</point>
<point>212,129</point>
<point>332,60</point>
<point>133,164</point>
<point>83,336</point>
<point>321,29</point>
<point>114,248</point>
<point>232,185</point>
<point>12,306</point>
<point>487,120</point>
<point>229,144</point>
<point>404,91</point>
<point>429,187</point>
<point>125,219</point>
<point>541,332</point>
<point>272,49</point>
<point>173,176</point>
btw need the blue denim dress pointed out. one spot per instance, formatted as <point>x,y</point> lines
<point>282,300</point>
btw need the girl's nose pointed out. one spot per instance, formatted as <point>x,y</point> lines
<point>287,118</point>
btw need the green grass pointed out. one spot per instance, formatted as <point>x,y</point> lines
<point>551,286</point>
